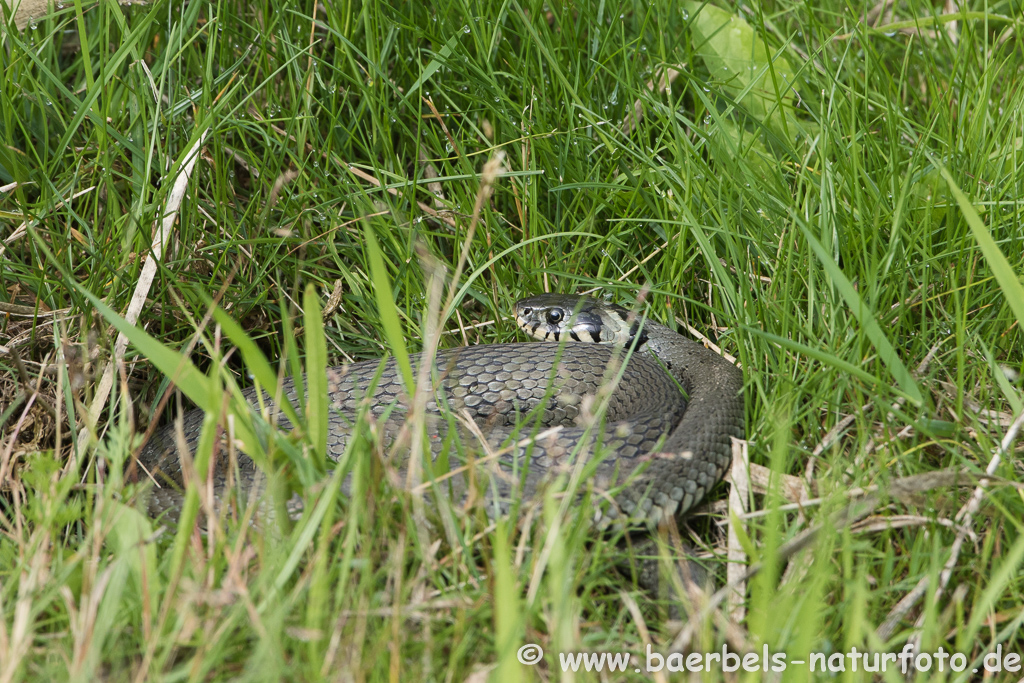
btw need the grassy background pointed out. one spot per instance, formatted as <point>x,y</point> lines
<point>811,234</point>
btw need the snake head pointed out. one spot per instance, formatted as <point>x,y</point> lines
<point>554,317</point>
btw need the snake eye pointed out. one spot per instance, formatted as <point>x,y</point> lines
<point>527,311</point>
<point>554,316</point>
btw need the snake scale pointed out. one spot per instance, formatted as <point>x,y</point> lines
<point>684,442</point>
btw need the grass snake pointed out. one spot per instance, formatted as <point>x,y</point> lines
<point>556,382</point>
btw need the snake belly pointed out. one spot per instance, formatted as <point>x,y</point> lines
<point>685,445</point>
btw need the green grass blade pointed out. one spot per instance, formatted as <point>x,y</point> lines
<point>819,355</point>
<point>181,371</point>
<point>255,361</point>
<point>316,378</point>
<point>886,353</point>
<point>432,66</point>
<point>1007,571</point>
<point>386,308</point>
<point>1008,280</point>
<point>199,388</point>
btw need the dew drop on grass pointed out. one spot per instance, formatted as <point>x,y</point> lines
<point>707,120</point>
<point>466,29</point>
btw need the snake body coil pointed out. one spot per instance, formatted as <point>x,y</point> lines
<point>685,446</point>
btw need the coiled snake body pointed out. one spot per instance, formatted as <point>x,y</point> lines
<point>685,445</point>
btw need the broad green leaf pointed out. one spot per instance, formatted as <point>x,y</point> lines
<point>737,56</point>
<point>130,533</point>
<point>931,194</point>
<point>738,141</point>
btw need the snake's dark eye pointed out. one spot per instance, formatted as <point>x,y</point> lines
<point>527,311</point>
<point>554,316</point>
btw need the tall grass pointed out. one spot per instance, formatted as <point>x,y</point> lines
<point>830,195</point>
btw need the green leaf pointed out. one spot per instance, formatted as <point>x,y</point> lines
<point>921,23</point>
<point>738,58</point>
<point>130,533</point>
<point>737,141</point>
<point>307,530</point>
